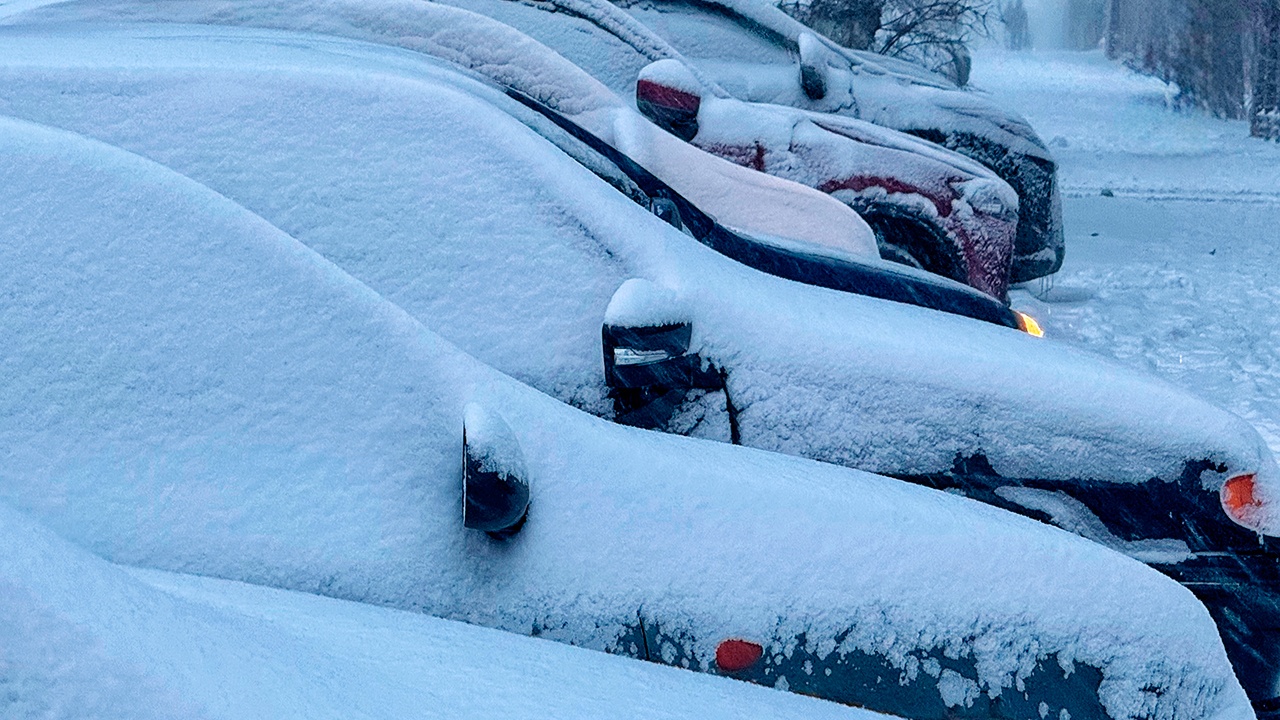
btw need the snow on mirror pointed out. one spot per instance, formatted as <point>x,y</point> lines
<point>653,378</point>
<point>495,486</point>
<point>813,67</point>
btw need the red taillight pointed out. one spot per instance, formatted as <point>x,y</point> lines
<point>1240,500</point>
<point>668,97</point>
<point>735,655</point>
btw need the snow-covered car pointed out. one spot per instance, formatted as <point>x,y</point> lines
<point>326,139</point>
<point>928,207</point>
<point>189,389</point>
<point>759,53</point>
<point>82,638</point>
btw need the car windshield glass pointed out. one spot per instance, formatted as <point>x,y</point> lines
<point>704,31</point>
<point>587,44</point>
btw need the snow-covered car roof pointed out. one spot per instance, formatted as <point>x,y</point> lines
<point>84,638</point>
<point>327,139</point>
<point>903,176</point>
<point>190,389</point>
<point>735,35</point>
<point>737,196</point>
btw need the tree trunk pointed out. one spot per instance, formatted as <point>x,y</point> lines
<point>1264,75</point>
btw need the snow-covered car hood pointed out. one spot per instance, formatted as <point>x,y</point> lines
<point>190,389</point>
<point>875,170</point>
<point>328,140</point>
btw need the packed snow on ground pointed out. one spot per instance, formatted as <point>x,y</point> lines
<point>81,638</point>
<point>370,156</point>
<point>1176,272</point>
<point>190,389</point>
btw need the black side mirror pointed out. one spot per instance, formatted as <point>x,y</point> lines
<point>669,95</point>
<point>495,488</point>
<point>813,67</point>
<point>647,363</point>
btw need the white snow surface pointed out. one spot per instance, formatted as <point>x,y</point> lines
<point>190,389</point>
<point>370,156</point>
<point>640,303</point>
<point>1175,274</point>
<point>492,443</point>
<point>81,638</point>
<point>728,192</point>
<point>763,67</point>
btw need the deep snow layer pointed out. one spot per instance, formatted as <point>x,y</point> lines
<point>369,155</point>
<point>1177,272</point>
<point>191,389</point>
<point>83,639</point>
<point>734,195</point>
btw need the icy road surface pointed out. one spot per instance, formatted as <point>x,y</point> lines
<point>1176,272</point>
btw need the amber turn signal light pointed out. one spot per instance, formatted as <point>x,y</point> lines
<point>1028,324</point>
<point>1240,500</point>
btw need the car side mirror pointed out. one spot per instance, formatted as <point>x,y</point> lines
<point>495,486</point>
<point>813,67</point>
<point>667,211</point>
<point>647,364</point>
<point>646,338</point>
<point>669,95</point>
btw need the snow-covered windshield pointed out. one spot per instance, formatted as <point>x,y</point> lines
<point>614,59</point>
<point>701,32</point>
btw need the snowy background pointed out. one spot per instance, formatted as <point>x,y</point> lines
<point>1175,272</point>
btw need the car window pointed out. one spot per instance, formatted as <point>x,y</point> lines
<point>608,58</point>
<point>419,191</point>
<point>552,126</point>
<point>704,32</point>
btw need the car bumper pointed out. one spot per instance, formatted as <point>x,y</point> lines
<point>1241,590</point>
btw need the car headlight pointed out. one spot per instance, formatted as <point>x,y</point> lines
<point>1028,324</point>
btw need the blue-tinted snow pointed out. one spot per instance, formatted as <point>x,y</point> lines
<point>735,195</point>
<point>380,161</point>
<point>1176,273</point>
<point>190,389</point>
<point>83,639</point>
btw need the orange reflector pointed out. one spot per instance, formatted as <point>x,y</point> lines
<point>735,655</point>
<point>1028,324</point>
<point>1239,499</point>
